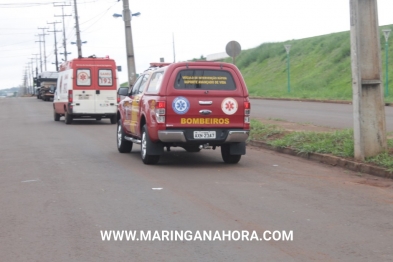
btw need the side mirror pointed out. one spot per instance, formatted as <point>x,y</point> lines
<point>123,91</point>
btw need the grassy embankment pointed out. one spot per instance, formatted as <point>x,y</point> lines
<point>337,143</point>
<point>320,68</point>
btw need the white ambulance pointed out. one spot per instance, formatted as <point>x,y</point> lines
<point>86,88</point>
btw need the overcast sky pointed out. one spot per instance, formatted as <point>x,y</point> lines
<point>200,27</point>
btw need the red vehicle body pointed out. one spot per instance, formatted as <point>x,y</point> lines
<point>193,105</point>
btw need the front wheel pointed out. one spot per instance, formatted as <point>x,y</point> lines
<point>145,150</point>
<point>123,145</point>
<point>227,157</point>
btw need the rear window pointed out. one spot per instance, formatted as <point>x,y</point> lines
<point>198,79</point>
<point>83,77</point>
<point>105,77</point>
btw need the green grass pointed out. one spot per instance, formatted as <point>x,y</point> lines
<point>337,143</point>
<point>263,132</point>
<point>320,68</point>
<point>384,159</point>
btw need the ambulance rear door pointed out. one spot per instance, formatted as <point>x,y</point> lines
<point>83,89</point>
<point>106,88</point>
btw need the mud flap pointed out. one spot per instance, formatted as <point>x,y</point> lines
<point>237,148</point>
<point>154,149</point>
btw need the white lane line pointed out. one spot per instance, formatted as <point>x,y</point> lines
<point>27,181</point>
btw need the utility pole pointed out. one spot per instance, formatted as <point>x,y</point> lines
<point>78,33</point>
<point>36,68</point>
<point>64,32</point>
<point>28,77</point>
<point>32,75</point>
<point>24,83</point>
<point>129,43</point>
<point>173,40</point>
<point>368,104</point>
<point>288,48</point>
<point>43,34</point>
<point>54,32</point>
<point>386,32</point>
<point>39,36</point>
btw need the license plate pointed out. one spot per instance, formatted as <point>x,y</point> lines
<point>83,97</point>
<point>204,134</point>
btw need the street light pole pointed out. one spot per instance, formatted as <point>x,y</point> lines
<point>386,32</point>
<point>129,43</point>
<point>288,48</point>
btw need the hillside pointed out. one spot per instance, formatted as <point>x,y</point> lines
<point>320,68</point>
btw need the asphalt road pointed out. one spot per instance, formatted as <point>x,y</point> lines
<point>60,185</point>
<point>321,114</point>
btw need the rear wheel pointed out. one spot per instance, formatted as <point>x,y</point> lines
<point>227,157</point>
<point>56,116</point>
<point>145,150</point>
<point>123,145</point>
<point>67,118</point>
<point>113,119</point>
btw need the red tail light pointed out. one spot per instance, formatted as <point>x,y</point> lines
<point>118,98</point>
<point>160,104</point>
<point>70,98</point>
<point>247,105</point>
<point>160,111</point>
<point>247,111</point>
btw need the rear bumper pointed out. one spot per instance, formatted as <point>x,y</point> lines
<point>75,114</point>
<point>185,136</point>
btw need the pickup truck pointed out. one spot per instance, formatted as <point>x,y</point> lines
<point>193,105</point>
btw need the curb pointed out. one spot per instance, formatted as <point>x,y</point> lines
<point>329,159</point>
<point>310,100</point>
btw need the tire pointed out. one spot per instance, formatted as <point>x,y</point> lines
<point>146,158</point>
<point>56,116</point>
<point>98,118</point>
<point>113,119</point>
<point>227,157</point>
<point>123,145</point>
<point>67,118</point>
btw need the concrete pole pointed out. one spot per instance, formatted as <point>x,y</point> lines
<point>39,36</point>
<point>368,103</point>
<point>288,48</point>
<point>64,32</point>
<point>78,32</point>
<point>129,43</point>
<point>54,32</point>
<point>32,76</point>
<point>43,34</point>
